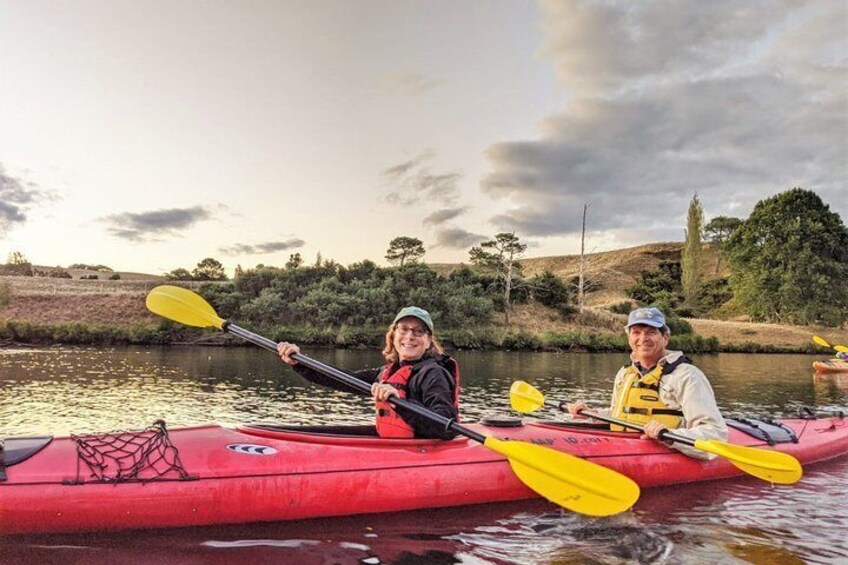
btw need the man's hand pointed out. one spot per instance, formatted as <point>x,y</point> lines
<point>653,429</point>
<point>575,408</point>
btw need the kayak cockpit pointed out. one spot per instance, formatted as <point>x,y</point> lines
<point>16,449</point>
<point>353,434</point>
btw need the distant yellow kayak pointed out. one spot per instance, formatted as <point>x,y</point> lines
<point>831,366</point>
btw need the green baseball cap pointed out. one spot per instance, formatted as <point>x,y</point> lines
<point>415,312</point>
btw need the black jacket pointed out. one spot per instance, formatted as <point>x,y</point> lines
<point>430,385</point>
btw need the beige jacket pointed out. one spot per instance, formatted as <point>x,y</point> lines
<point>687,389</point>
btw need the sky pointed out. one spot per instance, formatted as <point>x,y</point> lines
<point>147,136</point>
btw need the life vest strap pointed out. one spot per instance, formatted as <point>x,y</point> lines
<point>650,411</point>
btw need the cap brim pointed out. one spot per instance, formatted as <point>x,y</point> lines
<point>644,323</point>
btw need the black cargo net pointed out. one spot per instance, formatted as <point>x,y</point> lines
<point>130,456</point>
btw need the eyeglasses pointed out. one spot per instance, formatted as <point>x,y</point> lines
<point>416,331</point>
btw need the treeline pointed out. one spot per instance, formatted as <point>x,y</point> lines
<point>361,294</point>
<point>350,306</point>
<point>17,265</point>
<point>788,264</point>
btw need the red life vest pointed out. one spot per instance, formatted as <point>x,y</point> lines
<point>389,422</point>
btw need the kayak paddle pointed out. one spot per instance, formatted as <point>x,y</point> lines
<point>571,482</point>
<point>823,342</point>
<point>766,464</point>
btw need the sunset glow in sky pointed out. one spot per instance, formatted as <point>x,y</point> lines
<point>148,135</point>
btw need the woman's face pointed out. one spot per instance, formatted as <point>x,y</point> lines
<point>411,339</point>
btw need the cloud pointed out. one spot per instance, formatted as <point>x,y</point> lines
<point>457,238</point>
<point>397,172</point>
<point>261,248</point>
<point>149,226</point>
<point>16,198</point>
<point>412,182</point>
<point>411,83</point>
<point>444,215</point>
<point>670,99</point>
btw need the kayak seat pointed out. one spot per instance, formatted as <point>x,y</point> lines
<point>769,431</point>
<point>16,449</point>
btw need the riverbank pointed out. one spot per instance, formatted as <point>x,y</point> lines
<point>121,318</point>
<point>44,311</point>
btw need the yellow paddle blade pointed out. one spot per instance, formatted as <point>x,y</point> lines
<point>766,464</point>
<point>821,341</point>
<point>183,306</point>
<point>524,397</point>
<point>573,483</point>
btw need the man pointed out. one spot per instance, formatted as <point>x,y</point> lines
<point>662,389</point>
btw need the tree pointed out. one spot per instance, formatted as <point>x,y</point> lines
<point>17,265</point>
<point>660,288</point>
<point>209,269</point>
<point>551,291</point>
<point>692,254</point>
<point>581,291</point>
<point>717,231</point>
<point>503,261</point>
<point>403,249</point>
<point>789,261</point>
<point>295,261</point>
<point>178,275</point>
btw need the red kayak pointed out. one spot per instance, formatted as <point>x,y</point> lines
<point>206,475</point>
<point>831,366</point>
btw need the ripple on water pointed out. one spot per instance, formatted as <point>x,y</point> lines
<point>562,537</point>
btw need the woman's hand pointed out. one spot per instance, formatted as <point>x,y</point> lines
<point>382,391</point>
<point>575,408</point>
<point>286,350</point>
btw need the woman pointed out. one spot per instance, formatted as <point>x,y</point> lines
<point>416,369</point>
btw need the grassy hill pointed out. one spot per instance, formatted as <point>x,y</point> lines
<point>41,300</point>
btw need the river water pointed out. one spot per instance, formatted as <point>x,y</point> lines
<point>80,390</point>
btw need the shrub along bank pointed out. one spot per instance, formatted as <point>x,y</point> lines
<point>343,336</point>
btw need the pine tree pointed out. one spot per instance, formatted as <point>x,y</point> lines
<point>503,261</point>
<point>405,249</point>
<point>692,253</point>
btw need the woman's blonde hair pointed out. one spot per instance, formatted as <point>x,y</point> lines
<point>391,354</point>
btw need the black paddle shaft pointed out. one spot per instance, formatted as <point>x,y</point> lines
<point>665,434</point>
<point>350,380</point>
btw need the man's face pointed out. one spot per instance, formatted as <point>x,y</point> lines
<point>648,343</point>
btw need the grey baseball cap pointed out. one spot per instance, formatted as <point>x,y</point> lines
<point>647,316</point>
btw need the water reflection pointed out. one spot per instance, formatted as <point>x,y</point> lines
<point>67,390</point>
<point>79,390</point>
